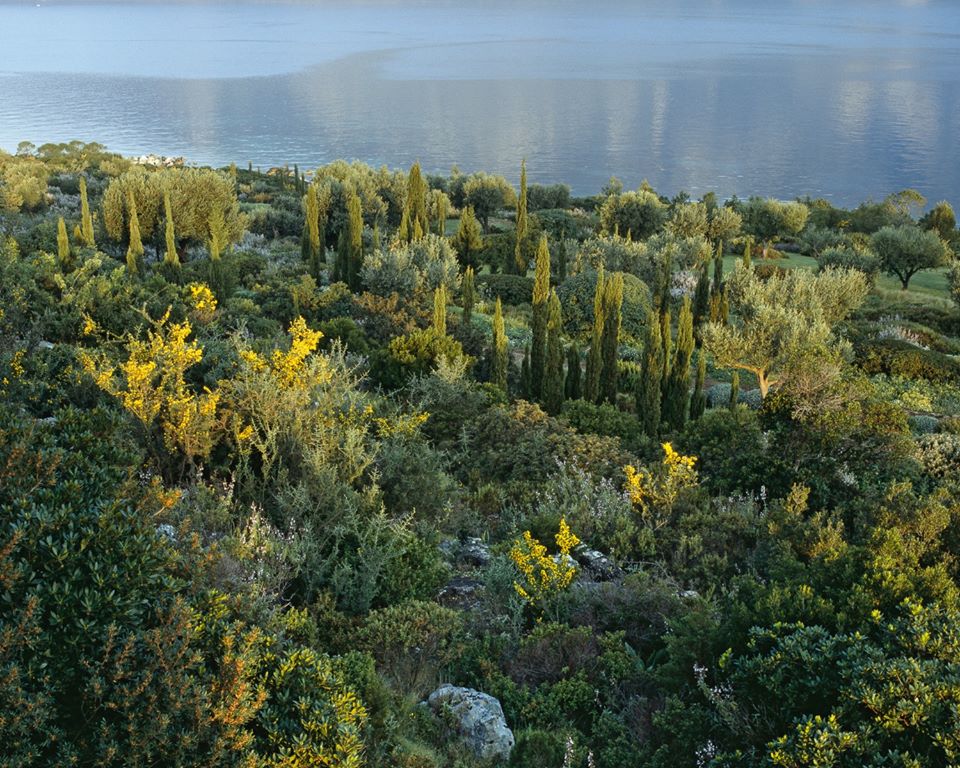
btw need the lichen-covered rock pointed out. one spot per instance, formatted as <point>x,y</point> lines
<point>475,552</point>
<point>462,593</point>
<point>596,564</point>
<point>478,718</point>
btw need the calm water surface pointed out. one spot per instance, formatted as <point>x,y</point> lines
<point>847,99</point>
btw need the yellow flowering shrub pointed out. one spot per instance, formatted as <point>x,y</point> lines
<point>151,385</point>
<point>655,492</point>
<point>203,303</point>
<point>543,575</point>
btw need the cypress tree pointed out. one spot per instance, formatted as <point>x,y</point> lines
<point>296,179</point>
<point>610,372</point>
<point>666,343</point>
<point>651,376</point>
<point>340,267</point>
<point>376,235</point>
<point>591,384</point>
<point>310,245</point>
<point>525,374</point>
<point>469,295</point>
<point>519,253</point>
<point>217,226</point>
<point>561,261</point>
<point>440,310</point>
<point>747,247</point>
<point>135,247</point>
<point>354,241</point>
<point>499,363</point>
<point>572,388</point>
<point>86,220</point>
<point>677,391</point>
<point>415,207</point>
<point>664,279</point>
<point>553,364</point>
<point>468,241</point>
<point>718,270</point>
<point>734,390</point>
<point>541,296</point>
<point>724,306</point>
<point>170,257</point>
<point>63,243</point>
<point>701,297</point>
<point>442,202</point>
<point>403,231</point>
<point>698,400</point>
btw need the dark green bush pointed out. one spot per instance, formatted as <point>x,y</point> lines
<point>576,298</point>
<point>510,289</point>
<point>899,358</point>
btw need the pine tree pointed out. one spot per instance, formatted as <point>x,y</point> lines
<point>498,366</point>
<point>734,389</point>
<point>519,253</point>
<point>553,364</point>
<point>677,391</point>
<point>648,393</point>
<point>701,297</point>
<point>440,310</point>
<point>541,295</point>
<point>468,242</point>
<point>572,387</point>
<point>591,384</point>
<point>525,375</point>
<point>86,220</point>
<point>135,247</point>
<point>415,218</point>
<point>610,347</point>
<point>469,295</point>
<point>354,241</point>
<point>170,257</point>
<point>698,400</point>
<point>63,243</point>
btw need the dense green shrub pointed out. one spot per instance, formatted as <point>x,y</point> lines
<point>576,298</point>
<point>510,289</point>
<point>900,358</point>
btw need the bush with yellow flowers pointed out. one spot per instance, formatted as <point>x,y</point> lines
<point>544,576</point>
<point>654,492</point>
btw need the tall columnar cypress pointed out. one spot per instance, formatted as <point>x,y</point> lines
<point>717,270</point>
<point>296,179</point>
<point>135,246</point>
<point>310,242</point>
<point>63,243</point>
<point>519,253</point>
<point>440,310</point>
<point>541,295</point>
<point>354,240</point>
<point>498,367</point>
<point>415,222</point>
<point>341,268</point>
<point>468,242</point>
<point>469,295</point>
<point>666,343</point>
<point>591,384</point>
<point>698,400</point>
<point>86,220</point>
<point>553,364</point>
<point>217,226</point>
<point>701,297</point>
<point>442,203</point>
<point>664,281</point>
<point>734,389</point>
<point>573,388</point>
<point>525,375</point>
<point>561,261</point>
<point>747,248</point>
<point>171,258</point>
<point>677,392</point>
<point>610,347</point>
<point>651,377</point>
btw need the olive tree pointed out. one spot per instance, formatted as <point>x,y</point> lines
<point>634,214</point>
<point>905,250</point>
<point>782,320</point>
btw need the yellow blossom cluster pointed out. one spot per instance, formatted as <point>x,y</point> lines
<point>655,492</point>
<point>543,575</point>
<point>202,302</point>
<point>288,367</point>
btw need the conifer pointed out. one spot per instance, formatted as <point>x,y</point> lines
<point>591,384</point>
<point>354,241</point>
<point>440,310</point>
<point>135,247</point>
<point>310,245</point>
<point>170,257</point>
<point>499,363</point>
<point>340,267</point>
<point>747,247</point>
<point>612,301</point>
<point>701,297</point>
<point>553,363</point>
<point>717,270</point>
<point>519,253</point>
<point>666,343</point>
<point>217,227</point>
<point>467,241</point>
<point>572,388</point>
<point>677,391</point>
<point>415,207</point>
<point>86,220</point>
<point>734,389</point>
<point>63,243</point>
<point>541,296</point>
<point>648,393</point>
<point>561,261</point>
<point>525,374</point>
<point>469,295</point>
<point>442,203</point>
<point>698,400</point>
